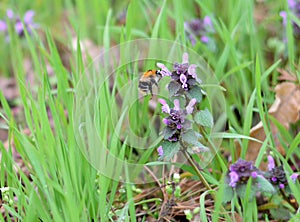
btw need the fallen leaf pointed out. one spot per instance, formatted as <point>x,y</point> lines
<point>286,75</point>
<point>286,109</point>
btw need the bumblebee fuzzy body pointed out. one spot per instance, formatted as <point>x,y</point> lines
<point>148,79</point>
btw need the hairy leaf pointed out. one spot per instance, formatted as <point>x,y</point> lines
<point>204,118</point>
<point>173,87</point>
<point>170,149</point>
<point>195,92</point>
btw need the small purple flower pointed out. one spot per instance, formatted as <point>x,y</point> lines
<point>160,151</point>
<point>10,14</point>
<point>3,26</point>
<point>242,166</point>
<point>283,15</point>
<point>180,69</point>
<point>254,174</point>
<point>234,178</point>
<point>164,70</point>
<point>185,58</point>
<point>190,106</point>
<point>199,29</point>
<point>204,39</point>
<point>28,17</point>
<point>18,24</point>
<point>292,3</point>
<point>294,177</point>
<point>294,7</point>
<point>176,120</point>
<point>19,28</point>
<point>276,175</point>
<point>166,121</point>
<point>28,23</point>
<point>192,71</point>
<point>183,74</point>
<point>271,163</point>
<point>165,107</point>
<point>183,80</point>
<point>208,23</point>
<point>281,186</point>
<point>176,115</point>
<point>176,105</point>
<point>241,171</point>
<point>174,138</point>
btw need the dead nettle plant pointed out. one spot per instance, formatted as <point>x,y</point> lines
<point>185,124</point>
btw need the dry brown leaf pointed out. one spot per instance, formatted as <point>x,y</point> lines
<point>286,109</point>
<point>286,76</point>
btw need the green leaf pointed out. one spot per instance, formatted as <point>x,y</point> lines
<point>168,132</point>
<point>264,185</point>
<point>199,135</point>
<point>280,213</point>
<point>197,149</point>
<point>195,92</point>
<point>241,191</point>
<point>191,138</point>
<point>170,149</point>
<point>228,194</point>
<point>204,118</point>
<point>173,88</point>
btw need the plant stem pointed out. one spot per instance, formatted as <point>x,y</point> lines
<point>198,171</point>
<point>294,205</point>
<point>194,165</point>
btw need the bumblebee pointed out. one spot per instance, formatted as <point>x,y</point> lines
<point>148,79</point>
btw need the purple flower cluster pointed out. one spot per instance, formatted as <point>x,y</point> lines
<point>184,85</point>
<point>176,119</point>
<point>294,6</point>
<point>241,171</point>
<point>277,175</point>
<point>183,76</point>
<point>19,25</point>
<point>199,29</point>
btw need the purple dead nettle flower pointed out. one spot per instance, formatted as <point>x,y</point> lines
<point>234,178</point>
<point>15,20</point>
<point>160,151</point>
<point>176,119</point>
<point>277,175</point>
<point>164,70</point>
<point>294,177</point>
<point>241,171</point>
<point>28,23</point>
<point>294,6</point>
<point>199,29</point>
<point>185,74</point>
<point>3,26</point>
<point>271,162</point>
